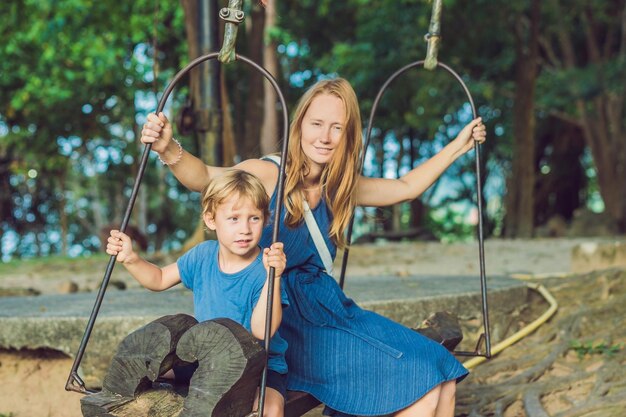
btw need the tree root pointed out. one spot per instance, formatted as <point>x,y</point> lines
<point>544,375</point>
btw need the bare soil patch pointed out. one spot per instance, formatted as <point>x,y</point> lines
<point>33,385</point>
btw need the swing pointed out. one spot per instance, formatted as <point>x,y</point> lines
<point>430,63</point>
<point>233,16</point>
<point>177,328</point>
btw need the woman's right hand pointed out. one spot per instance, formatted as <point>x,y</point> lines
<point>158,131</point>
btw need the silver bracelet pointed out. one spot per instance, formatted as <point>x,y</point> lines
<point>178,157</point>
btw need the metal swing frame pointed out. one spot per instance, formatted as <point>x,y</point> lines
<point>433,39</point>
<point>485,337</point>
<point>74,382</point>
<point>233,17</point>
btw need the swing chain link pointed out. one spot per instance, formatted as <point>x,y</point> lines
<point>233,15</point>
<point>433,37</point>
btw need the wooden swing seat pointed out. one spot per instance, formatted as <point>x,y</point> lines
<point>224,384</point>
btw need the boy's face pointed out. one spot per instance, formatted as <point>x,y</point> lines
<point>238,224</point>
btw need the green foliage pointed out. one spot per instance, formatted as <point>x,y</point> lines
<point>370,40</point>
<point>73,74</point>
<point>449,224</point>
<point>53,263</point>
<point>77,77</point>
<point>583,349</point>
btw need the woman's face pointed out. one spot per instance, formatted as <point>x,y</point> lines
<point>322,128</point>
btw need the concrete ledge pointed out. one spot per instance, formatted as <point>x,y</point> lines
<point>591,256</point>
<point>58,322</point>
<point>410,300</point>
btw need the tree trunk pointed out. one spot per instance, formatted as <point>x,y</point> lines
<point>602,116</point>
<point>269,129</point>
<point>204,85</point>
<point>609,154</point>
<point>145,354</point>
<point>229,364</point>
<point>140,213</point>
<point>228,132</point>
<point>383,214</point>
<point>6,197</point>
<point>207,121</point>
<point>62,214</point>
<point>560,191</point>
<point>249,146</point>
<point>396,212</point>
<point>97,222</point>
<point>521,184</point>
<point>418,208</point>
<point>223,384</point>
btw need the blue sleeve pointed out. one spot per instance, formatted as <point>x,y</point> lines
<point>188,266</point>
<point>283,295</point>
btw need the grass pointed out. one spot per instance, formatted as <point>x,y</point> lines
<point>583,349</point>
<point>52,263</point>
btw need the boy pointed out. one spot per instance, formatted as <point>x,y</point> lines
<point>227,276</point>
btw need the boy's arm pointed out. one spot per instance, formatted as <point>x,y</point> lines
<point>146,273</point>
<point>272,257</point>
<point>151,276</point>
<point>257,322</point>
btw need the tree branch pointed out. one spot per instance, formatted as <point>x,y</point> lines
<point>549,53</point>
<point>622,45</point>
<point>569,59</point>
<point>590,37</point>
<point>566,117</point>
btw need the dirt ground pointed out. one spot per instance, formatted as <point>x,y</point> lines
<point>33,385</point>
<point>543,370</point>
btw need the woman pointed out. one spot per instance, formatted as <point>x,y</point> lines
<point>354,361</point>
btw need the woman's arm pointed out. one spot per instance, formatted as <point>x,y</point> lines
<point>147,274</point>
<point>380,192</point>
<point>273,256</point>
<point>189,169</point>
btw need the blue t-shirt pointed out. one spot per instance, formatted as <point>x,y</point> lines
<point>217,294</point>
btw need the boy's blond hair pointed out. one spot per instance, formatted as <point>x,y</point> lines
<point>235,181</point>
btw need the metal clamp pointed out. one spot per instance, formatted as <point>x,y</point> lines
<point>232,15</point>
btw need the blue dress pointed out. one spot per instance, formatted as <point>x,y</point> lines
<point>354,361</point>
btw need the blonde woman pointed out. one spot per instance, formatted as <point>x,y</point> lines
<point>353,360</point>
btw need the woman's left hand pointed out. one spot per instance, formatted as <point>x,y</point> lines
<point>473,132</point>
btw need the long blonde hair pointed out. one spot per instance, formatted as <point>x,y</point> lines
<point>339,176</point>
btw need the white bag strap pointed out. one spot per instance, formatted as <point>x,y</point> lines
<point>273,158</point>
<point>314,229</point>
<point>318,239</point>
